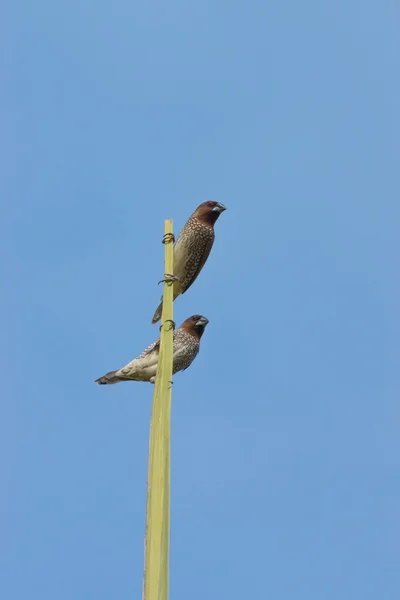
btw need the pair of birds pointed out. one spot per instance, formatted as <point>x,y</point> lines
<point>191,251</point>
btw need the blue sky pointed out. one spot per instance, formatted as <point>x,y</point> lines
<point>285,430</point>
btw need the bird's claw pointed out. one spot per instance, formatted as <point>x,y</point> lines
<point>168,238</point>
<point>168,278</point>
<point>171,322</point>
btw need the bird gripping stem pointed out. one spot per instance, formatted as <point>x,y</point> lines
<point>168,238</point>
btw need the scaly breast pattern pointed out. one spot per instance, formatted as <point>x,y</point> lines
<point>191,251</point>
<point>186,348</point>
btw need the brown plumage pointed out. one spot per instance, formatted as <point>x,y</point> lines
<point>193,247</point>
<point>186,346</point>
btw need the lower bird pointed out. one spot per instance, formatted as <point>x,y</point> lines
<point>186,346</point>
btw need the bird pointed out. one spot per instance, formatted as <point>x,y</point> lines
<point>192,248</point>
<point>186,346</point>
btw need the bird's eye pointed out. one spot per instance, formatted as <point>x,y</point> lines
<point>210,204</point>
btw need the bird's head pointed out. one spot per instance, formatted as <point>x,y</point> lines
<point>195,325</point>
<point>208,212</point>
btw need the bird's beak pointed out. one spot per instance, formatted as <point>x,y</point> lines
<point>202,322</point>
<point>219,208</point>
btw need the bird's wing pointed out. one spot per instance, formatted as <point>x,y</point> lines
<point>181,254</point>
<point>148,358</point>
<point>150,353</point>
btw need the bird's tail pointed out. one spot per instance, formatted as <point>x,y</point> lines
<point>157,314</point>
<point>177,292</point>
<point>108,378</point>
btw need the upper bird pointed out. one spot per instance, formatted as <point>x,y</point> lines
<point>186,346</point>
<point>192,248</point>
